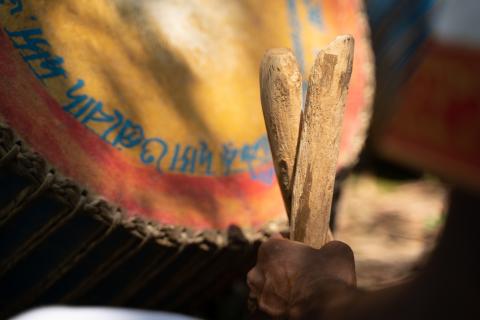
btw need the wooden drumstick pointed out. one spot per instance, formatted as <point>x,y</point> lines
<point>281,95</point>
<point>318,146</point>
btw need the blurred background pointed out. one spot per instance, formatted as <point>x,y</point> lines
<point>424,134</point>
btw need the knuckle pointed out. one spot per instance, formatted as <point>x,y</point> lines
<point>254,278</point>
<point>339,248</point>
<point>269,246</point>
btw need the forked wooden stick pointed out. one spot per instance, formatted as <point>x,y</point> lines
<point>318,141</point>
<point>281,93</point>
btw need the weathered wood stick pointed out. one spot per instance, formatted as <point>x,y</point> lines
<point>318,146</point>
<point>281,93</point>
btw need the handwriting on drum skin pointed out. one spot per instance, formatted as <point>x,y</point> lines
<point>16,6</point>
<point>32,48</point>
<point>120,132</point>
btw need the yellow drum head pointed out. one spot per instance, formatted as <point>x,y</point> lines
<point>155,105</point>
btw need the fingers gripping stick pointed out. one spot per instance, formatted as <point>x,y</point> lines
<point>305,145</point>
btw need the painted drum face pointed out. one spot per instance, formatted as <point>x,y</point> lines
<point>155,105</point>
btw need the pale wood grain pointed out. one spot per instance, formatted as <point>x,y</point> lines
<point>281,95</point>
<point>318,145</point>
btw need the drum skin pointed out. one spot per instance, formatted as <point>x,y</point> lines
<point>155,105</point>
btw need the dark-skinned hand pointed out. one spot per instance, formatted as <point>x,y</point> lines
<point>290,277</point>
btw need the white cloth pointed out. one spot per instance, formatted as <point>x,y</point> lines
<point>95,313</point>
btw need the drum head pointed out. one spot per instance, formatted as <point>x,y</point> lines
<point>154,105</point>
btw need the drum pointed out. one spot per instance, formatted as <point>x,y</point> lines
<point>154,108</point>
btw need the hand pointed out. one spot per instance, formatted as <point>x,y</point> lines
<point>290,277</point>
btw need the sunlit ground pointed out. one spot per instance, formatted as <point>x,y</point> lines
<point>390,226</point>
